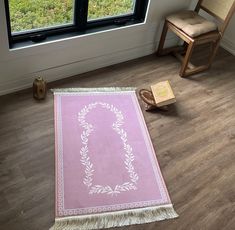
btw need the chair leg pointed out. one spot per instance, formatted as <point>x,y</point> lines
<point>198,69</point>
<point>162,40</point>
<point>186,59</point>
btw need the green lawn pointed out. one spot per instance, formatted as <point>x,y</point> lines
<point>33,14</point>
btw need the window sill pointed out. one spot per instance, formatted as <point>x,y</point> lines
<point>18,45</point>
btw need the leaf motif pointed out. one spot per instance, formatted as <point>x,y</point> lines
<point>85,159</point>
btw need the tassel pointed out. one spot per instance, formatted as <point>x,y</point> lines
<point>115,219</point>
<point>82,90</point>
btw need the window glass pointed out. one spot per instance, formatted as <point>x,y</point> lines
<point>36,14</point>
<point>99,9</point>
<point>34,21</point>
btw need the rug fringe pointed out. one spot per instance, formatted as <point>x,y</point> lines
<point>115,219</point>
<point>105,89</point>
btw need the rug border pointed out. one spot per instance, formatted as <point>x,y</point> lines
<point>165,199</point>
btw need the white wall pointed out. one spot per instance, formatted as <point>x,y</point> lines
<point>228,41</point>
<point>76,55</point>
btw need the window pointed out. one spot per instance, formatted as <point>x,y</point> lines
<point>38,20</point>
<point>101,9</point>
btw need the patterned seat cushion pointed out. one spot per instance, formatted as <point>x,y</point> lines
<point>191,23</point>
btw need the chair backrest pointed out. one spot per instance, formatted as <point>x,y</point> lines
<point>220,9</point>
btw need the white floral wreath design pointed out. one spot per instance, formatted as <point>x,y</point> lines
<point>85,159</point>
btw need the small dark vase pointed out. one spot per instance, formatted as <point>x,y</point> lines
<point>39,88</point>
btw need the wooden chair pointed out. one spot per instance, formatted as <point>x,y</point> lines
<point>195,30</point>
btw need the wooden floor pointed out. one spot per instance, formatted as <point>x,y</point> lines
<point>194,141</point>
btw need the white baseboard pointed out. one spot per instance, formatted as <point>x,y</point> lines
<point>228,45</point>
<point>75,68</point>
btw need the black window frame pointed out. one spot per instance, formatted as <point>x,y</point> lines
<point>81,24</point>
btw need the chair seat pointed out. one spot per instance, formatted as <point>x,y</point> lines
<point>191,23</point>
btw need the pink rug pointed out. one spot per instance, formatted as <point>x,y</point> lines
<point>107,174</point>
